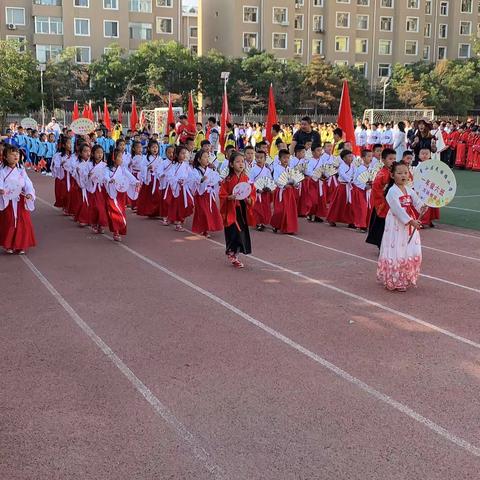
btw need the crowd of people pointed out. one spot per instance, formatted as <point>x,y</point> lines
<point>307,170</point>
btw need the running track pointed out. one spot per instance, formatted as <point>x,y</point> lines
<point>154,359</point>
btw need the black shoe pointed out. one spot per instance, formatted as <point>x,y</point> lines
<point>318,220</point>
<point>351,225</point>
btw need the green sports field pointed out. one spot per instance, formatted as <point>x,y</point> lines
<point>464,211</point>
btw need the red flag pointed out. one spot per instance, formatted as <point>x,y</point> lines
<point>345,117</point>
<point>75,111</point>
<point>120,116</point>
<point>85,113</point>
<point>191,114</point>
<point>170,116</point>
<point>106,115</point>
<point>90,111</point>
<point>133,116</point>
<point>272,118</point>
<point>224,119</point>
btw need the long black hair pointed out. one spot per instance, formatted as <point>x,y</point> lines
<point>9,148</point>
<point>393,169</point>
<point>179,150</point>
<point>151,143</point>
<point>111,158</point>
<point>81,147</point>
<point>233,157</point>
<point>94,150</point>
<point>196,160</point>
<point>63,145</point>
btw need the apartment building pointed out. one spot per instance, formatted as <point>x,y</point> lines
<point>370,34</point>
<point>90,26</point>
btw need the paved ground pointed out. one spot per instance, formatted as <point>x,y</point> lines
<point>154,359</point>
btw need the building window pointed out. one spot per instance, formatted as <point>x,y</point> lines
<point>110,29</point>
<point>142,6</point>
<point>412,24</point>
<point>413,3</point>
<point>280,15</point>
<point>298,22</point>
<point>464,50</point>
<point>298,46</point>
<point>428,7</point>
<point>343,20</point>
<point>250,40</point>
<point>165,3</point>
<point>19,40</point>
<point>465,28</point>
<point>341,63</point>
<point>361,45</point>
<point>386,3</point>
<point>342,44</point>
<point>318,23</point>
<point>110,4</point>
<point>426,52</point>
<point>279,41</point>
<point>317,47</point>
<point>444,9</point>
<point>193,32</point>
<point>15,15</point>
<point>363,3</point>
<point>164,25</point>
<point>384,47</point>
<point>49,25</point>
<point>362,22</point>
<point>411,47</point>
<point>82,27</point>
<point>82,54</point>
<point>384,69</point>
<point>386,24</point>
<point>466,6</point>
<point>194,49</point>
<point>443,30</point>
<point>45,53</point>
<point>250,14</point>
<point>427,30</point>
<point>299,3</point>
<point>442,53</point>
<point>140,31</point>
<point>361,67</point>
<point>81,3</point>
<point>53,3</point>
<point>318,3</point>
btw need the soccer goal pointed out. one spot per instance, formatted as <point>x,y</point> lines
<point>395,116</point>
<point>157,118</point>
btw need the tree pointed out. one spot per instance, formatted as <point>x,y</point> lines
<point>321,84</point>
<point>407,87</point>
<point>19,80</point>
<point>358,87</point>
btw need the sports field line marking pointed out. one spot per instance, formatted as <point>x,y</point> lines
<point>476,259</point>
<point>463,209</point>
<point>159,408</point>
<point>466,196</point>
<point>354,255</point>
<point>441,230</point>
<point>313,356</point>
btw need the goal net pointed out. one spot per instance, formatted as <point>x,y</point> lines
<point>157,118</point>
<point>395,116</point>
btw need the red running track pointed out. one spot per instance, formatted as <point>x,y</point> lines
<point>154,359</point>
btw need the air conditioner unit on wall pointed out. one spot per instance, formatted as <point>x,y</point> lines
<point>11,26</point>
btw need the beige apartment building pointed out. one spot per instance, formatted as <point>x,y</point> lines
<point>370,34</point>
<point>90,26</point>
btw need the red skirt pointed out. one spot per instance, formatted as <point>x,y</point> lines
<point>116,211</point>
<point>149,203</point>
<point>60,192</point>
<point>98,208</point>
<point>74,198</point>
<point>331,187</point>
<point>361,214</point>
<point>431,215</point>
<point>206,217</point>
<point>318,203</point>
<point>83,213</point>
<point>20,237</point>
<point>470,156</point>
<point>461,158</point>
<point>340,211</point>
<point>476,161</point>
<point>262,209</point>
<point>285,216</point>
<point>305,199</point>
<point>177,211</point>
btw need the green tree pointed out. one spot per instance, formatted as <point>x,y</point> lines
<point>407,87</point>
<point>357,86</point>
<point>322,87</point>
<point>19,80</point>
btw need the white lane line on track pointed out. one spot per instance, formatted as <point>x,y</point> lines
<point>475,259</point>
<point>326,247</point>
<point>463,209</point>
<point>159,408</point>
<point>406,410</point>
<point>466,196</point>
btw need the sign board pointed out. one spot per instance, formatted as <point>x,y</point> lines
<point>435,183</point>
<point>82,126</point>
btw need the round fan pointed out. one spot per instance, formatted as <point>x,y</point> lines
<point>265,182</point>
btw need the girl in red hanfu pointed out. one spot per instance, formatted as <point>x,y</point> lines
<point>204,185</point>
<point>471,139</point>
<point>341,208</point>
<point>58,171</point>
<point>17,197</point>
<point>400,260</point>
<point>98,218</point>
<point>135,166</point>
<point>177,195</point>
<point>237,215</point>
<point>82,216</point>
<point>161,172</point>
<point>150,198</point>
<point>476,154</point>
<point>119,183</point>
<point>317,188</point>
<point>285,217</point>
<point>461,152</point>
<point>430,214</point>
<point>262,208</point>
<point>361,194</point>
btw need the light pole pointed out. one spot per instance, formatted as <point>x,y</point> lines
<point>386,83</point>
<point>41,67</point>
<point>225,76</point>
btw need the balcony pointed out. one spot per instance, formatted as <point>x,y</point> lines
<point>42,9</point>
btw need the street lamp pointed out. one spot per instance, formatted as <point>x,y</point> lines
<point>386,83</point>
<point>225,76</point>
<point>41,67</point>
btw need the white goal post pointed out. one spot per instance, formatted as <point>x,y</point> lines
<point>395,116</point>
<point>157,118</point>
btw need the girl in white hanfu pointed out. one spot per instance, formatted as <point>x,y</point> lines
<point>400,260</point>
<point>17,197</point>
